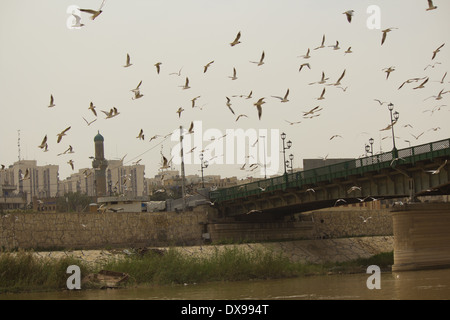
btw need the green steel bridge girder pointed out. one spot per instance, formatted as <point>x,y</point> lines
<point>399,173</point>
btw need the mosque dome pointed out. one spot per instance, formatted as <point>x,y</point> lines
<point>99,137</point>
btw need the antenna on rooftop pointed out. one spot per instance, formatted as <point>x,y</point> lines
<point>18,142</point>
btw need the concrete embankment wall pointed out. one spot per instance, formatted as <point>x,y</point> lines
<point>145,229</point>
<point>94,230</point>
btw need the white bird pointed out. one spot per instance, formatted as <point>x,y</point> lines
<point>438,169</point>
<point>261,60</point>
<point>385,31</point>
<point>365,219</point>
<point>205,68</point>
<point>431,6</point>
<point>283,99</point>
<point>306,56</point>
<point>176,73</point>
<point>95,13</point>
<point>128,64</point>
<point>52,104</point>
<point>92,108</point>
<point>61,134</point>
<point>304,65</point>
<point>137,87</point>
<point>229,105</point>
<point>158,67</point>
<point>435,52</point>
<point>140,135</point>
<point>26,176</point>
<point>77,23</point>
<point>137,95</point>
<point>422,84</point>
<point>254,211</point>
<point>388,71</point>
<point>236,40</point>
<point>89,123</point>
<point>339,200</point>
<point>353,189</point>
<point>336,46</point>
<point>338,82</point>
<point>186,84</point>
<point>322,96</point>
<point>233,77</point>
<point>349,14</point>
<point>258,105</point>
<point>43,143</point>
<point>323,43</point>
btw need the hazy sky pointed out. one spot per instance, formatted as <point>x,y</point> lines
<point>40,56</point>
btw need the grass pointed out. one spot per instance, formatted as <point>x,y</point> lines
<point>22,271</point>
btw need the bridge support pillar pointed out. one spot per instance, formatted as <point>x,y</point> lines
<point>421,236</point>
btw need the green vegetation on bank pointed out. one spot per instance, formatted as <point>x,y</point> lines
<point>23,271</point>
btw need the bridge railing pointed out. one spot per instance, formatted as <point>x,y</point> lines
<point>339,170</point>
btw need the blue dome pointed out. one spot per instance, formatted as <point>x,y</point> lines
<point>99,137</point>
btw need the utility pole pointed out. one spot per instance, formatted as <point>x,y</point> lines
<point>183,181</point>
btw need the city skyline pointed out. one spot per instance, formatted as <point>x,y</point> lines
<point>78,66</point>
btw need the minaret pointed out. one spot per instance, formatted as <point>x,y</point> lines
<point>99,164</point>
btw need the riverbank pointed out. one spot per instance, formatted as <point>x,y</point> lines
<point>43,271</point>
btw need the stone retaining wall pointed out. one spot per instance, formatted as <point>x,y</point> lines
<point>94,230</point>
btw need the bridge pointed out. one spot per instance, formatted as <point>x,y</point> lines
<point>410,172</point>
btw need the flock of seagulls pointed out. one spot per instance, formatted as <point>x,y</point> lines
<point>313,112</point>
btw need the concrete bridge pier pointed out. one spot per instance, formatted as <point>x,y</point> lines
<point>421,236</point>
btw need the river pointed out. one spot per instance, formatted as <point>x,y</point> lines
<point>410,285</point>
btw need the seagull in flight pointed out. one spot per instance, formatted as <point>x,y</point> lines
<point>176,73</point>
<point>137,88</point>
<point>158,66</point>
<point>205,68</point>
<point>349,14</point>
<point>233,77</point>
<point>261,60</point>
<point>140,135</point>
<point>95,13</point>
<point>61,134</point>
<point>92,108</point>
<point>43,143</point>
<point>322,96</point>
<point>292,123</point>
<point>70,162</point>
<point>435,52</point>
<point>338,82</point>
<point>229,105</point>
<point>365,219</point>
<point>128,64</point>
<point>438,169</point>
<point>322,45</point>
<point>431,6</point>
<point>258,105</point>
<point>306,56</point>
<point>52,102</point>
<point>304,65</point>
<point>388,71</point>
<point>186,84</point>
<point>89,122</point>
<point>283,99</point>
<point>236,40</point>
<point>385,31</point>
<point>422,84</point>
<point>77,24</point>
<point>336,46</point>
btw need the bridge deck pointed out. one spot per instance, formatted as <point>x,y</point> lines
<point>306,178</point>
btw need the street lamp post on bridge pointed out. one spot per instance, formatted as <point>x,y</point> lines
<point>204,165</point>
<point>287,146</point>
<point>394,119</point>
